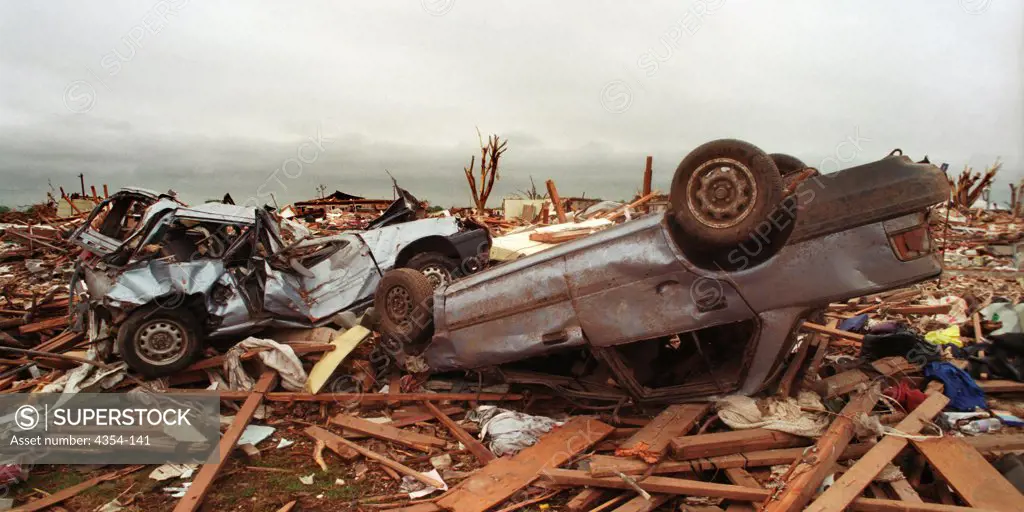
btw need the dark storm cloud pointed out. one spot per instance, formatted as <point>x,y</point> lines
<point>220,96</point>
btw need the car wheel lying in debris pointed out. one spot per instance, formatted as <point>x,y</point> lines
<point>405,303</point>
<point>723,190</point>
<point>156,341</point>
<point>435,266</point>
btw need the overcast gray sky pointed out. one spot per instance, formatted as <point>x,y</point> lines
<point>253,97</point>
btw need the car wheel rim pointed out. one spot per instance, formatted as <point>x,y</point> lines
<point>399,304</point>
<point>161,342</point>
<point>437,275</point>
<point>721,193</point>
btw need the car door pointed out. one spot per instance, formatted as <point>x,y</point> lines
<point>634,286</point>
<point>317,278</point>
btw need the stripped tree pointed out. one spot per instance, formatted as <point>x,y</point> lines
<point>490,153</point>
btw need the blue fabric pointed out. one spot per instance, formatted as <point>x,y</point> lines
<point>964,394</point>
<point>854,324</point>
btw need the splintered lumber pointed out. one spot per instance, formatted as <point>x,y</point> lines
<point>905,491</point>
<point>811,470</point>
<point>848,381</point>
<point>937,309</point>
<point>606,465</point>
<point>831,331</point>
<point>419,507</point>
<point>1001,386</point>
<point>734,441</point>
<point>413,419</point>
<point>556,201</point>
<point>654,437</point>
<point>561,236</point>
<point>741,477</point>
<point>201,484</point>
<point>44,325</point>
<point>680,486</point>
<point>343,346</point>
<point>795,364</point>
<point>397,466</point>
<point>70,492</point>
<point>814,366</point>
<point>287,507</point>
<point>641,504</point>
<point>586,499</point>
<point>853,482</point>
<point>475,447</point>
<point>413,440</point>
<point>970,475</point>
<point>362,398</point>
<point>331,442</point>
<point>495,482</point>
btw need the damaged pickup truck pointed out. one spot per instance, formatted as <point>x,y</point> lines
<point>161,277</point>
<point>701,300</point>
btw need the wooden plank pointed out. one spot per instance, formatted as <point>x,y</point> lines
<point>362,398</point>
<point>641,504</point>
<point>832,331</point>
<point>741,477</point>
<point>475,447</point>
<point>848,381</point>
<point>938,309</point>
<point>795,364</point>
<point>413,440</point>
<point>905,491</point>
<point>556,201</point>
<point>1001,386</point>
<point>819,353</point>
<point>74,490</point>
<point>654,437</point>
<point>343,346</point>
<point>812,469</point>
<point>412,419</point>
<point>208,473</point>
<point>853,482</point>
<point>970,475</point>
<point>502,478</point>
<point>680,486</point>
<point>736,441</point>
<point>330,440</point>
<point>397,466</point>
<point>419,507</point>
<point>585,499</point>
<point>606,465</point>
<point>44,325</point>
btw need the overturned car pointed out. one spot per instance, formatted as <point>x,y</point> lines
<point>161,277</point>
<point>701,300</point>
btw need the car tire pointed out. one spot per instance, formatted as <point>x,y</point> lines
<point>404,303</point>
<point>787,164</point>
<point>437,267</point>
<point>158,341</point>
<point>722,191</point>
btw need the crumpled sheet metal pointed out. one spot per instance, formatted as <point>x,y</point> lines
<point>342,281</point>
<point>142,285</point>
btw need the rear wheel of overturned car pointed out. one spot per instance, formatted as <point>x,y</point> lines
<point>787,164</point>
<point>437,267</point>
<point>157,341</point>
<point>404,303</point>
<point>723,190</point>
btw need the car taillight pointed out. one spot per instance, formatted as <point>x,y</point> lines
<point>912,244</point>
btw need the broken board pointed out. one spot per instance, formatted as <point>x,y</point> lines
<point>970,475</point>
<point>673,422</point>
<point>503,477</point>
<point>325,367</point>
